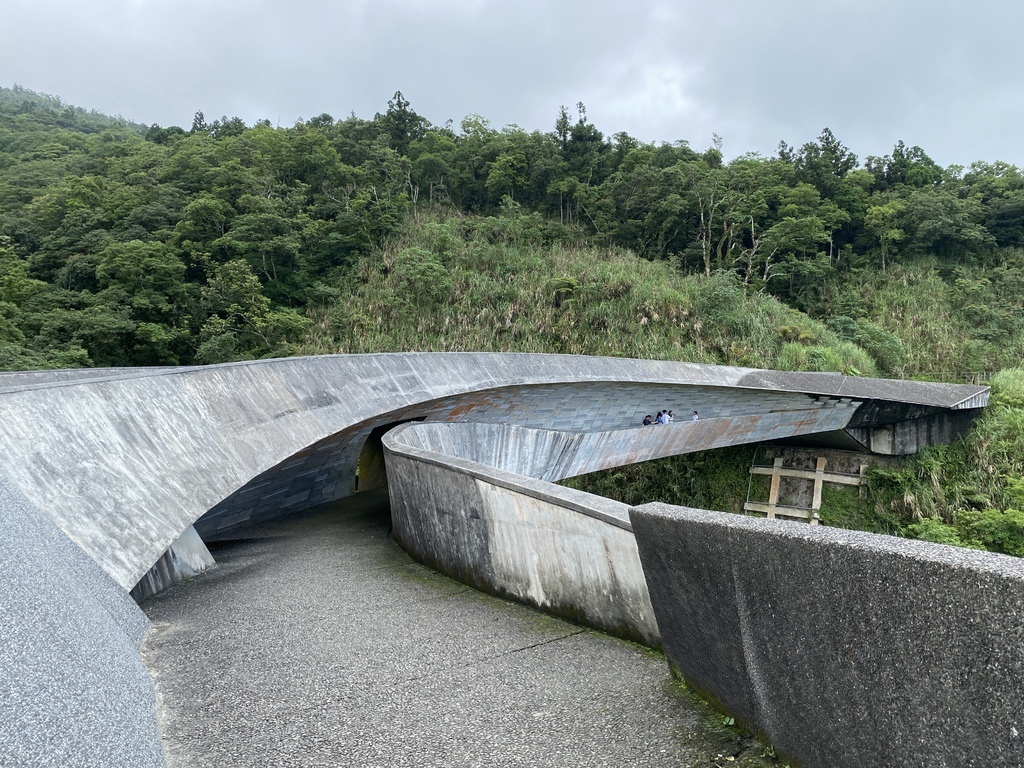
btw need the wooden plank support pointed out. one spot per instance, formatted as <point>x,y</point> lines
<point>776,510</point>
<point>773,493</point>
<point>818,476</point>
<point>842,478</point>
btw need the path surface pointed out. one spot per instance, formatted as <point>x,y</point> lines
<point>319,642</point>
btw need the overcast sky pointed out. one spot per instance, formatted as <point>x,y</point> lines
<point>947,76</point>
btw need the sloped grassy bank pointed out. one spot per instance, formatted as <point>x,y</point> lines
<point>516,283</point>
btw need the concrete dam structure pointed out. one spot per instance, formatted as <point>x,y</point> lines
<point>113,481</point>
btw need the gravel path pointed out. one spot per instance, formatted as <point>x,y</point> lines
<point>318,642</point>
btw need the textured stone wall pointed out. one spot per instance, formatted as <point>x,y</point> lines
<point>844,649</point>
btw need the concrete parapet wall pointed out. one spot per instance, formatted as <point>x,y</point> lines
<point>73,690</point>
<point>564,551</point>
<point>842,648</point>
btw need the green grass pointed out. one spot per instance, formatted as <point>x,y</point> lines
<point>452,283</point>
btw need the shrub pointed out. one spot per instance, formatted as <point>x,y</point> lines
<point>935,531</point>
<point>421,275</point>
<point>998,530</point>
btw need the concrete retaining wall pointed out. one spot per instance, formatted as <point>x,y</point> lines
<point>561,550</point>
<point>843,648</point>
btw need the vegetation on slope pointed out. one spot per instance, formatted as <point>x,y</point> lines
<point>123,244</point>
<point>513,282</point>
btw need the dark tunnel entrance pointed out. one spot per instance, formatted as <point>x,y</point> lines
<point>371,472</point>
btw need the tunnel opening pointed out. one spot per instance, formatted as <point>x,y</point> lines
<point>371,470</point>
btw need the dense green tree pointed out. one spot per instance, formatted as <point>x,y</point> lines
<point>123,226</point>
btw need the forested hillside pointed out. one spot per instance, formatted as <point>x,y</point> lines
<point>131,245</point>
<point>123,244</point>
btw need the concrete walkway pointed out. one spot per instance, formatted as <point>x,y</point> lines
<point>318,642</point>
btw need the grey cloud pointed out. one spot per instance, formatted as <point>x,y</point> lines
<point>938,74</point>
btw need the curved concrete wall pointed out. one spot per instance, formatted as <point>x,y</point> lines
<point>326,471</point>
<point>554,455</point>
<point>844,649</point>
<point>567,552</point>
<point>124,462</point>
<point>470,501</point>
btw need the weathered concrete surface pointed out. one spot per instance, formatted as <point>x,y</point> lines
<point>73,691</point>
<point>326,470</point>
<point>926,393</point>
<point>564,551</point>
<point>125,463</point>
<point>185,558</point>
<point>319,642</point>
<point>906,437</point>
<point>463,502</point>
<point>552,455</point>
<point>843,648</point>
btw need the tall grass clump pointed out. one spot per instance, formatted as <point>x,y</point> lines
<point>917,320</point>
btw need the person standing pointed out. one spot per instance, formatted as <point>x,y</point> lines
<point>694,417</point>
<point>669,418</point>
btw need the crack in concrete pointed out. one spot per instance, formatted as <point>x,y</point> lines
<point>510,652</point>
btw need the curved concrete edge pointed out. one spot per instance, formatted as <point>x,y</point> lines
<point>11,381</point>
<point>607,510</point>
<point>124,464</point>
<point>554,455</point>
<point>73,689</point>
<point>567,552</point>
<point>926,393</point>
<point>844,649</point>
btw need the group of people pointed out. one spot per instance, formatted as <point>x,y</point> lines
<point>664,417</point>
